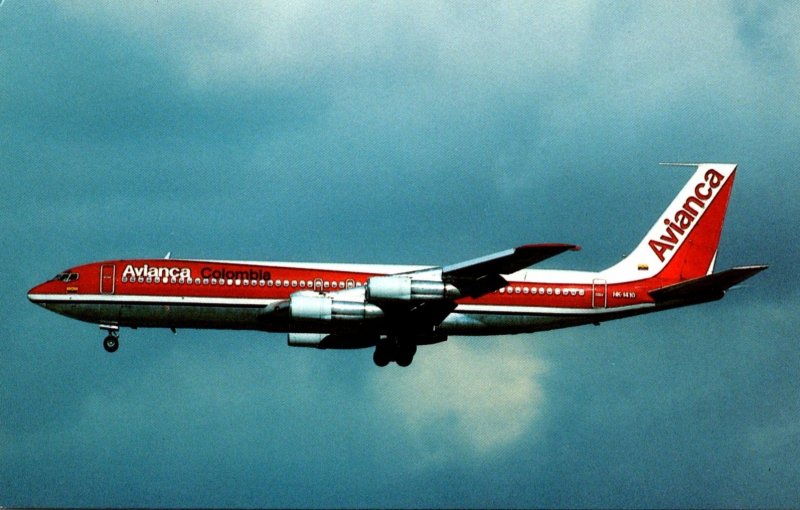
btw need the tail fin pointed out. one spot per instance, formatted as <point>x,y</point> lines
<point>683,243</point>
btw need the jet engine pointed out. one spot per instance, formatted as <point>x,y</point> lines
<point>315,307</point>
<point>404,288</point>
<point>329,341</point>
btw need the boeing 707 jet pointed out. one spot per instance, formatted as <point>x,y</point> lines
<point>393,308</point>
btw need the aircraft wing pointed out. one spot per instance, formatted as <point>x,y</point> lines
<point>472,278</point>
<point>704,288</point>
<point>483,275</point>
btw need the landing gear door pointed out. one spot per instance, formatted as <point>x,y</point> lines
<point>599,293</point>
<point>107,276</point>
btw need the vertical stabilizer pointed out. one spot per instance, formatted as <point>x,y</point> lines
<point>683,242</point>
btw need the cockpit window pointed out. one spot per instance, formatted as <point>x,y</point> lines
<point>66,277</point>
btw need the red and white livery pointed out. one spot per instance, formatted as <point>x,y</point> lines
<point>397,308</point>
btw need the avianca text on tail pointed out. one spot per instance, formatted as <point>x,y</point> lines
<point>394,309</point>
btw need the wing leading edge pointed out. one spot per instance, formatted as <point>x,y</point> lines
<point>482,275</point>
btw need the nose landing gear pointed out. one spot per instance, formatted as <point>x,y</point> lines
<point>111,342</point>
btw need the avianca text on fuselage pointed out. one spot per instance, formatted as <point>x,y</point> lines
<point>133,272</point>
<point>677,226</point>
<point>394,309</point>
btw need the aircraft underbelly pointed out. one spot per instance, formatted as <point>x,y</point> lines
<point>252,317</point>
<point>495,323</point>
<point>163,315</point>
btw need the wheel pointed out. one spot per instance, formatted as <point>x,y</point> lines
<point>381,357</point>
<point>405,355</point>
<point>111,343</point>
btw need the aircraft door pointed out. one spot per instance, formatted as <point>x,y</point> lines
<point>318,284</point>
<point>107,275</point>
<point>599,293</point>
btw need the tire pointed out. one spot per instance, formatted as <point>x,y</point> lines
<point>111,343</point>
<point>405,355</point>
<point>380,357</point>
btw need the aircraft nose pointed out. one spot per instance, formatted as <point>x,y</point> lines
<point>36,294</point>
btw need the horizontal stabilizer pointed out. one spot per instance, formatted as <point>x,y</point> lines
<point>705,288</point>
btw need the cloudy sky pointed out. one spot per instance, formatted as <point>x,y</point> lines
<point>422,133</point>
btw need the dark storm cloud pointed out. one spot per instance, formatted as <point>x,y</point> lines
<point>414,134</point>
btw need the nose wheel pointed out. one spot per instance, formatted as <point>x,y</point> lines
<point>111,342</point>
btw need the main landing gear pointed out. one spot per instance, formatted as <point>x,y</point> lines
<point>111,342</point>
<point>392,349</point>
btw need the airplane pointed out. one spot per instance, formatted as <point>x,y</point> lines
<point>396,308</point>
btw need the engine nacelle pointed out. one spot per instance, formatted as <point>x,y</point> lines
<point>405,288</point>
<point>328,341</point>
<point>321,308</point>
<point>313,340</point>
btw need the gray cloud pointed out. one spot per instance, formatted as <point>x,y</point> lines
<point>409,134</point>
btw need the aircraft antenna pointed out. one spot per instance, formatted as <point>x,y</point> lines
<point>680,164</point>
